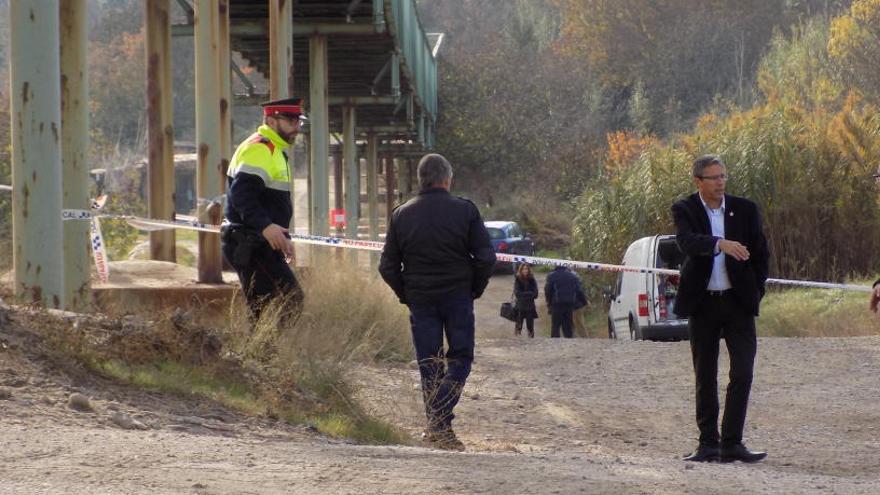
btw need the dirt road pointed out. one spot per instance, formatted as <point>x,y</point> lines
<point>538,416</point>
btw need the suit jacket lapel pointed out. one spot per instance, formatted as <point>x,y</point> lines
<point>700,211</point>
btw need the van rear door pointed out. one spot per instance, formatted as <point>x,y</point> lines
<point>665,287</point>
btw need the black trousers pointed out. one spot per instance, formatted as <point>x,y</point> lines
<point>722,316</point>
<point>561,316</point>
<point>266,277</point>
<point>530,323</point>
<point>443,373</point>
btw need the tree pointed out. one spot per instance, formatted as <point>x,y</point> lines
<point>855,44</point>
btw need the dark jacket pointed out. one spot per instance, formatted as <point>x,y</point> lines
<point>436,246</point>
<point>742,223</point>
<point>525,294</point>
<point>563,288</point>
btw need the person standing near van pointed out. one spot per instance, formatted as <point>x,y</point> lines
<point>722,284</point>
<point>563,294</point>
<point>525,291</point>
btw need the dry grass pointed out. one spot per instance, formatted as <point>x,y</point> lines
<point>296,372</point>
<point>816,313</point>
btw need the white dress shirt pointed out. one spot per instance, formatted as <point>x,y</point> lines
<point>718,280</point>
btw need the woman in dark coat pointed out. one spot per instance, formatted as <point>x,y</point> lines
<point>525,290</point>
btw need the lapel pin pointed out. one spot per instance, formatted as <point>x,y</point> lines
<point>731,213</point>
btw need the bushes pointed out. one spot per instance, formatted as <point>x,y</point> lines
<point>806,159</point>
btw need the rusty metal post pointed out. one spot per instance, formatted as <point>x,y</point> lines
<point>338,198</point>
<point>75,150</point>
<point>319,132</point>
<point>209,181</point>
<point>225,78</point>
<point>352,171</point>
<point>405,185</point>
<point>280,47</point>
<point>372,185</point>
<point>390,186</point>
<point>280,63</point>
<point>160,126</point>
<point>35,82</point>
<point>373,195</point>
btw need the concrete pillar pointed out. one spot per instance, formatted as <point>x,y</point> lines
<point>352,171</point>
<point>75,150</point>
<point>35,83</point>
<point>209,182</point>
<point>160,129</point>
<point>319,133</point>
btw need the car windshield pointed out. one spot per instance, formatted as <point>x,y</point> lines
<point>496,233</point>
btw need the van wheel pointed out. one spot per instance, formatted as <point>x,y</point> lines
<point>611,333</point>
<point>635,333</point>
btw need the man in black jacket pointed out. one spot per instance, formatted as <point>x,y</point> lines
<point>437,258</point>
<point>722,283</point>
<point>563,294</point>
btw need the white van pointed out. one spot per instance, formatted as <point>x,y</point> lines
<point>641,303</point>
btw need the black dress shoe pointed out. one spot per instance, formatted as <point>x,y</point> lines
<point>705,453</point>
<point>739,452</point>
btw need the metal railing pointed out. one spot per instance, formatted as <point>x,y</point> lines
<point>417,60</point>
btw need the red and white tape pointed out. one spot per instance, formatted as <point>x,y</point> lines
<point>191,224</point>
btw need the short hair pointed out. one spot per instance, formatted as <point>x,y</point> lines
<point>433,170</point>
<point>704,161</point>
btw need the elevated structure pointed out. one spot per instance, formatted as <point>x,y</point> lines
<point>366,68</point>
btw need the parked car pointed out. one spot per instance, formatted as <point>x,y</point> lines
<point>508,238</point>
<point>641,303</point>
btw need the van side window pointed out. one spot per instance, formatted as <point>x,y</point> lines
<point>619,284</point>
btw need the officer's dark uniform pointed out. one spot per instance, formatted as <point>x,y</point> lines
<point>562,291</point>
<point>438,258</point>
<point>259,195</point>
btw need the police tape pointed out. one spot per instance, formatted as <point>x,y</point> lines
<point>4,187</point>
<point>190,223</point>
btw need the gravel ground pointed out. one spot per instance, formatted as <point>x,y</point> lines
<point>538,416</point>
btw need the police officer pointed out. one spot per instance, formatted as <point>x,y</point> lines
<point>437,258</point>
<point>258,208</point>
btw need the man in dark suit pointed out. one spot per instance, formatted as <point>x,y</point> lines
<point>722,283</point>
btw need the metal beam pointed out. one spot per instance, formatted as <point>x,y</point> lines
<point>350,10</point>
<point>319,131</point>
<point>75,150</point>
<point>35,83</point>
<point>382,72</point>
<point>300,29</point>
<point>208,178</point>
<point>395,76</point>
<point>386,129</point>
<point>249,86</point>
<point>255,99</point>
<point>160,130</point>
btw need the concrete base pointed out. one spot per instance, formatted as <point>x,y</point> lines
<point>140,286</point>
